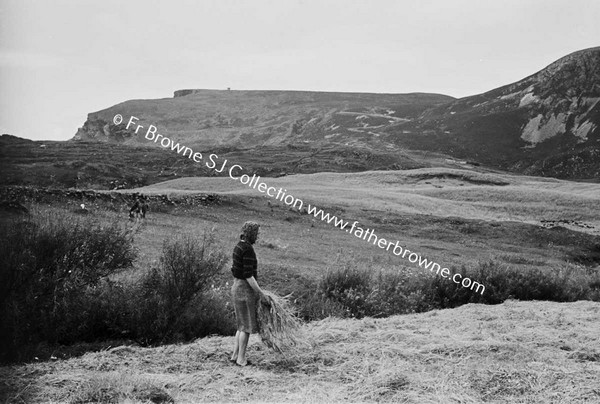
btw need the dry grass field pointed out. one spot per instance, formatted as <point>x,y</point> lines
<point>516,352</point>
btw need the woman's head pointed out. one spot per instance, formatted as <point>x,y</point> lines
<point>250,232</point>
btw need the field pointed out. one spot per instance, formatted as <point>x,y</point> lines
<point>457,217</point>
<point>513,352</point>
<point>517,352</point>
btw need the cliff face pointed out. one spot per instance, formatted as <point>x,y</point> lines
<point>183,93</point>
<point>101,130</point>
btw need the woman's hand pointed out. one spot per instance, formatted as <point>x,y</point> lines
<point>264,299</point>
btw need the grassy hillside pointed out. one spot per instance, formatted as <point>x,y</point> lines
<point>517,352</point>
<point>441,192</point>
<point>212,118</point>
<point>97,165</point>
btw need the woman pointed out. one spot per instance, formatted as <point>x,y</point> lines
<point>245,292</point>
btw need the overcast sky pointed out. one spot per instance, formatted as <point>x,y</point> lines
<point>60,59</point>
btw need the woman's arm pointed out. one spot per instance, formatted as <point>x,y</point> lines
<point>254,285</point>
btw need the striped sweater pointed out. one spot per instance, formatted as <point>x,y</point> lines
<point>244,261</point>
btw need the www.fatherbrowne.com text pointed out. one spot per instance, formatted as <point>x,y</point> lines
<point>235,172</point>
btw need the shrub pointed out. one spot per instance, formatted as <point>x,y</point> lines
<point>55,289</point>
<point>355,292</point>
<point>175,301</point>
<point>209,313</point>
<point>562,284</point>
<point>400,290</point>
<point>315,306</point>
<point>374,293</point>
<point>349,286</point>
<point>47,263</point>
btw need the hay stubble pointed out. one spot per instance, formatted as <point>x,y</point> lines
<point>513,352</point>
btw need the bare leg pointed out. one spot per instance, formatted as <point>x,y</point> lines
<point>243,344</point>
<point>236,346</point>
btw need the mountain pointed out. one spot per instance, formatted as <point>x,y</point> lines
<point>546,124</point>
<point>245,119</point>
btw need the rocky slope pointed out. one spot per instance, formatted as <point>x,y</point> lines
<point>244,119</point>
<point>545,124</point>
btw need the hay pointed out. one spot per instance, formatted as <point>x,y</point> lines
<point>278,326</point>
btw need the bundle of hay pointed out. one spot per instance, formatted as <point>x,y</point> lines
<point>279,328</point>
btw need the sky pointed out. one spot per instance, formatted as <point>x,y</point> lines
<point>62,59</point>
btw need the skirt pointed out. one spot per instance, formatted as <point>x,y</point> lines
<point>245,302</point>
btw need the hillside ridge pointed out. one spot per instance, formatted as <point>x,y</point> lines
<point>547,124</point>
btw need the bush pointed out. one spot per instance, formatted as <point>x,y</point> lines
<point>55,289</point>
<point>175,301</point>
<point>400,290</point>
<point>47,264</point>
<point>315,306</point>
<point>567,283</point>
<point>348,286</point>
<point>355,292</point>
<point>374,293</point>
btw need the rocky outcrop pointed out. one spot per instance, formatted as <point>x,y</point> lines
<point>101,130</point>
<point>561,99</point>
<point>183,93</point>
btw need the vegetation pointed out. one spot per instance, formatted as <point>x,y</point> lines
<point>381,357</point>
<point>48,263</point>
<point>509,353</point>
<point>57,289</point>
<point>363,292</point>
<point>108,166</point>
<point>62,281</point>
<point>177,301</point>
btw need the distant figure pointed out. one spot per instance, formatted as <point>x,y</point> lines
<point>143,207</point>
<point>139,208</point>
<point>134,211</point>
